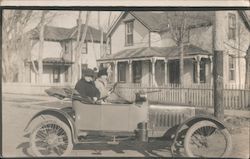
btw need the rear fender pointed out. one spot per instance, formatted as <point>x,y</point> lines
<point>63,116</point>
<point>188,123</point>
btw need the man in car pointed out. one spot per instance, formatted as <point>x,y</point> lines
<point>86,87</point>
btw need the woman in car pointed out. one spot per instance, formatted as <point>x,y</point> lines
<point>86,87</point>
<point>101,83</point>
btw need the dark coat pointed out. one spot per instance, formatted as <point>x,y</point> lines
<point>87,89</point>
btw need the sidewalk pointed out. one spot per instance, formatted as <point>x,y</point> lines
<point>238,113</point>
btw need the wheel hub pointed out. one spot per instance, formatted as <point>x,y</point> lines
<point>52,139</point>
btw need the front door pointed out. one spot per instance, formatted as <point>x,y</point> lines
<point>137,71</point>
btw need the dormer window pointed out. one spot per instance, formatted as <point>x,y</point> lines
<point>231,26</point>
<point>129,27</point>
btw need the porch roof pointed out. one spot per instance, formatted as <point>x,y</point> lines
<point>147,52</point>
<point>55,61</point>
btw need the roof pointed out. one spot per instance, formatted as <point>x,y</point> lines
<point>246,18</point>
<point>96,34</point>
<point>156,21</point>
<point>52,33</point>
<point>167,52</point>
<point>149,19</point>
<point>55,61</point>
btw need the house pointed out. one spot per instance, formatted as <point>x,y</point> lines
<point>59,51</point>
<point>142,50</point>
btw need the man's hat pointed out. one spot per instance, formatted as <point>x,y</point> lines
<point>88,72</point>
<point>102,72</point>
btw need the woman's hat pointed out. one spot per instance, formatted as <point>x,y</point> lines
<point>102,72</point>
<point>88,72</point>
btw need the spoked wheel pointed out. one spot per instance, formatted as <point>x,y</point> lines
<point>206,139</point>
<point>51,137</point>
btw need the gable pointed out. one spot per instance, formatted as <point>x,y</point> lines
<point>125,16</point>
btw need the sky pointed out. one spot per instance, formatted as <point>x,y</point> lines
<point>68,19</point>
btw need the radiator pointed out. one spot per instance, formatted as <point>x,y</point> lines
<point>164,116</point>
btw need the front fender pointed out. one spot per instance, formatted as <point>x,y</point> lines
<point>63,116</point>
<point>188,123</point>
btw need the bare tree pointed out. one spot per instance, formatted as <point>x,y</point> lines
<point>178,25</point>
<point>79,45</point>
<point>15,44</point>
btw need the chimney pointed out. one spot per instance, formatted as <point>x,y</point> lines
<point>78,21</point>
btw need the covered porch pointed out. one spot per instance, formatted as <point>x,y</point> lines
<point>55,70</point>
<point>159,66</point>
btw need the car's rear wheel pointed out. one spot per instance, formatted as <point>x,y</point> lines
<point>206,139</point>
<point>51,137</point>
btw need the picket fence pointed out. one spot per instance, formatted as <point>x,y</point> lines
<point>235,97</point>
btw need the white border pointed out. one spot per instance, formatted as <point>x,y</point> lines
<point>135,3</point>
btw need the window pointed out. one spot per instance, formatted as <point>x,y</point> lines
<point>174,71</point>
<point>231,26</point>
<point>122,72</point>
<point>56,74</point>
<point>137,71</point>
<point>84,66</point>
<point>231,68</point>
<point>84,49</point>
<point>66,75</point>
<point>67,47</point>
<point>129,27</point>
<point>202,71</point>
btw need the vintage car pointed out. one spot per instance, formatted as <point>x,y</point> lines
<point>54,132</point>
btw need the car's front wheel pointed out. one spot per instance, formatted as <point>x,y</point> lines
<point>206,139</point>
<point>51,137</point>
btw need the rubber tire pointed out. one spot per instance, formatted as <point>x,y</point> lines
<point>200,124</point>
<point>55,120</point>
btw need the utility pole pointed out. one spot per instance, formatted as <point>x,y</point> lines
<point>218,61</point>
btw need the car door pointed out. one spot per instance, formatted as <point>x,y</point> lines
<point>87,116</point>
<point>115,117</point>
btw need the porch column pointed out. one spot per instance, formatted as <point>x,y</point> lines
<point>116,71</point>
<point>211,70</point>
<point>130,71</point>
<point>166,71</point>
<point>198,69</point>
<point>153,60</point>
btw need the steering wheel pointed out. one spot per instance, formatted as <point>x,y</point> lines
<point>111,90</point>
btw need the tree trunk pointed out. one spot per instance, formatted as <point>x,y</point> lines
<point>41,45</point>
<point>181,63</point>
<point>78,57</point>
<point>76,50</point>
<point>101,30</point>
<point>247,80</point>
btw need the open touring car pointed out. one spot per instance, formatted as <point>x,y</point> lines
<point>54,132</point>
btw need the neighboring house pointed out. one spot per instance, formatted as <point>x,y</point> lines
<point>142,51</point>
<point>59,50</point>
